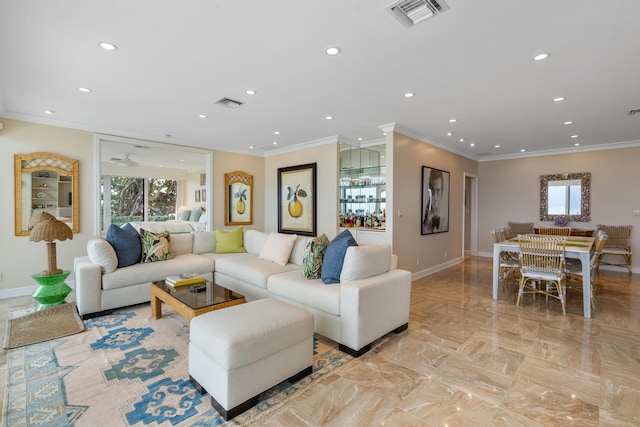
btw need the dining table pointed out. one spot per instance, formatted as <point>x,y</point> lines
<point>576,247</point>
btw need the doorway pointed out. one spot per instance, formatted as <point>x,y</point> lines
<point>470,218</point>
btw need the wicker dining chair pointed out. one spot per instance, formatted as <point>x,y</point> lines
<point>555,231</point>
<point>618,245</point>
<point>542,267</point>
<point>509,261</point>
<point>574,269</point>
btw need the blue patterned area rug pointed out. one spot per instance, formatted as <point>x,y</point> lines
<point>128,369</point>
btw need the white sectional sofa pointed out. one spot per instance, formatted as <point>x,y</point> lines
<point>372,299</point>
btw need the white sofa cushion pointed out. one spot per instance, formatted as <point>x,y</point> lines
<point>293,286</point>
<point>181,243</point>
<point>204,241</point>
<point>365,261</point>
<point>249,269</point>
<point>102,253</point>
<point>297,253</point>
<point>277,248</point>
<point>253,240</point>
<point>154,271</point>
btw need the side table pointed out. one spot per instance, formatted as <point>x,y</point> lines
<point>52,290</point>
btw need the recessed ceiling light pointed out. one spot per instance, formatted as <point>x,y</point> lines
<point>496,146</point>
<point>251,146</point>
<point>49,112</point>
<point>84,89</point>
<point>182,160</point>
<point>541,57</point>
<point>568,122</point>
<point>277,132</point>
<point>275,142</point>
<point>329,117</point>
<point>108,46</point>
<point>202,116</point>
<point>577,144</point>
<point>333,51</point>
<point>574,136</point>
<point>461,139</point>
<point>452,120</point>
<point>250,92</point>
<point>472,145</point>
<point>449,133</point>
<point>522,150</point>
<point>409,95</point>
<point>558,99</point>
<point>359,139</point>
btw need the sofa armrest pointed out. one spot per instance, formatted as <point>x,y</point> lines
<point>88,286</point>
<point>373,307</point>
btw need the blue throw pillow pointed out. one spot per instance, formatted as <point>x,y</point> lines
<point>126,243</point>
<point>334,257</point>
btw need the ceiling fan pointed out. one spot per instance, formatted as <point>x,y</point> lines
<point>122,160</point>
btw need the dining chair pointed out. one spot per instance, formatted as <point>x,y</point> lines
<point>555,231</point>
<point>574,269</point>
<point>542,267</point>
<point>516,228</point>
<point>509,261</point>
<point>618,245</point>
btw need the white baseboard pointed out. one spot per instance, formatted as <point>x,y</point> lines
<point>429,271</point>
<point>26,290</point>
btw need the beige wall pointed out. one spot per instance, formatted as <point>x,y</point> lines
<point>19,257</point>
<point>418,253</point>
<point>326,157</point>
<point>509,190</point>
<point>224,162</point>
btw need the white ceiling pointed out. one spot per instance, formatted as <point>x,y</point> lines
<point>472,63</point>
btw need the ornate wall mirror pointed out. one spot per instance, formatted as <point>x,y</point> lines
<point>45,182</point>
<point>566,195</point>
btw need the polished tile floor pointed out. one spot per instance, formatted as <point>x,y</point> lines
<point>467,360</point>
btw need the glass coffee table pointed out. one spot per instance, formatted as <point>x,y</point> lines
<point>189,303</point>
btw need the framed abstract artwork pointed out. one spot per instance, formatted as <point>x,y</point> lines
<point>297,200</point>
<point>238,196</point>
<point>435,201</point>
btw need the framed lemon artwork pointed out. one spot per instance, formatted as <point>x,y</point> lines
<point>238,198</point>
<point>297,200</point>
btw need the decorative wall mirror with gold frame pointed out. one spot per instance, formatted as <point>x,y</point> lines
<point>45,182</point>
<point>566,187</point>
<point>238,195</point>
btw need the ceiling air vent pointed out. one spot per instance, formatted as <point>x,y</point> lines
<point>634,111</point>
<point>228,102</point>
<point>412,12</point>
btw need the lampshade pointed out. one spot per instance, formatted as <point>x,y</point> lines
<point>50,230</point>
<point>38,218</point>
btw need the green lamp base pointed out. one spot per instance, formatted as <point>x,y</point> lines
<point>52,290</point>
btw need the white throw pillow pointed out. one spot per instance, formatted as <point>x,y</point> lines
<point>277,248</point>
<point>365,261</point>
<point>102,253</point>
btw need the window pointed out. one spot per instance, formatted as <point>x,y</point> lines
<point>137,199</point>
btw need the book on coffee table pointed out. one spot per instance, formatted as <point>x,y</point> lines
<point>184,279</point>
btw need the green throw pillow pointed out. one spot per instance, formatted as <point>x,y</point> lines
<point>155,246</point>
<point>229,242</point>
<point>313,255</point>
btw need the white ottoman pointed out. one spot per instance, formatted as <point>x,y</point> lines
<point>238,352</point>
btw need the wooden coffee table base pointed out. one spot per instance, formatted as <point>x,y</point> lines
<point>158,296</point>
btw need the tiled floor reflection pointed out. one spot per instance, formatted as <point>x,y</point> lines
<point>468,360</point>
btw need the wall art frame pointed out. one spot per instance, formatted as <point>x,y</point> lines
<point>435,201</point>
<point>238,198</point>
<point>297,200</point>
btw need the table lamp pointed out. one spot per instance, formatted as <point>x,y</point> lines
<point>53,290</point>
